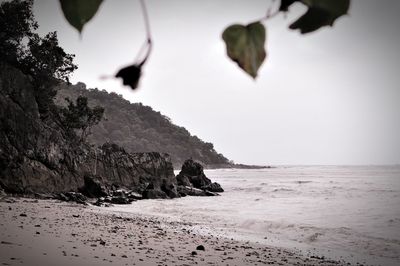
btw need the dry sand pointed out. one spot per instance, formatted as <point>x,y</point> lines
<point>49,232</point>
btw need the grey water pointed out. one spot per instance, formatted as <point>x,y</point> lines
<point>349,213</point>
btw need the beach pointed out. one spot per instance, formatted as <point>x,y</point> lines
<point>51,232</point>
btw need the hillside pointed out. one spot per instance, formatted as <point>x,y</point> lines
<point>138,128</point>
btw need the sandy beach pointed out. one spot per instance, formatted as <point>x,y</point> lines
<point>50,232</point>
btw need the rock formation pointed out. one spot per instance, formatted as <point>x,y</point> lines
<point>37,157</point>
<point>192,181</point>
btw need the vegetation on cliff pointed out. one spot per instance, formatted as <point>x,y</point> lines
<point>40,150</point>
<point>139,128</point>
<point>135,127</point>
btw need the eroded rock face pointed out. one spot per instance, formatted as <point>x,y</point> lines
<point>138,172</point>
<point>37,157</point>
<point>192,175</point>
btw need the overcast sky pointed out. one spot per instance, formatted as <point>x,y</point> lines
<point>330,97</point>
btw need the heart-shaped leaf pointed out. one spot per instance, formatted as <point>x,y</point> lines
<point>320,13</point>
<point>130,75</point>
<point>79,12</point>
<point>245,46</point>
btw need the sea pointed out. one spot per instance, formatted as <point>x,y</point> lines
<point>349,213</point>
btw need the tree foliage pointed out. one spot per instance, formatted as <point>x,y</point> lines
<point>40,57</point>
<point>44,57</point>
<point>139,128</point>
<point>16,23</point>
<point>80,117</point>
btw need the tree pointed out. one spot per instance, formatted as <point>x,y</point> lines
<point>16,23</point>
<point>80,117</point>
<point>44,57</point>
<point>41,58</point>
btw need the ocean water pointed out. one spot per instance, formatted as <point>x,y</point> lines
<point>341,212</point>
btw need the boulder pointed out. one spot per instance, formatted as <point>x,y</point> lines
<point>72,196</point>
<point>192,175</point>
<point>154,194</point>
<point>213,187</point>
<point>93,187</point>
<point>119,197</point>
<point>134,195</point>
<point>191,191</point>
<point>37,155</point>
<point>183,180</point>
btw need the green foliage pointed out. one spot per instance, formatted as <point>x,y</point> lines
<point>78,12</point>
<point>320,13</point>
<point>80,117</point>
<point>245,46</point>
<point>138,128</point>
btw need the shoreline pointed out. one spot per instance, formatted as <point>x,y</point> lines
<point>50,232</point>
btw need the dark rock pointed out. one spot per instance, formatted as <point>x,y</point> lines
<point>213,187</point>
<point>191,191</point>
<point>73,196</point>
<point>38,156</point>
<point>120,200</point>
<point>200,247</point>
<point>183,180</point>
<point>134,195</point>
<point>23,215</point>
<point>209,193</point>
<point>170,190</point>
<point>93,187</point>
<point>192,175</point>
<point>62,197</point>
<point>154,194</point>
<point>43,196</point>
<point>194,253</point>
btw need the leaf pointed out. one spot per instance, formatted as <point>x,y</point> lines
<point>320,13</point>
<point>285,4</point>
<point>130,75</point>
<point>79,12</point>
<point>245,46</point>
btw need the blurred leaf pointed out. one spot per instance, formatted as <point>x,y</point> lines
<point>320,13</point>
<point>245,46</point>
<point>285,4</point>
<point>79,12</point>
<point>130,75</point>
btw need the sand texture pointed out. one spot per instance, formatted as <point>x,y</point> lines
<point>49,232</point>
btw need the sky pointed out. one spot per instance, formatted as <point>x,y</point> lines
<point>326,98</point>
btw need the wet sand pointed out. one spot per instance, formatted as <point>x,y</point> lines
<point>50,232</point>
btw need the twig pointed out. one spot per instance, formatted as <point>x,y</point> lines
<point>271,14</point>
<point>148,43</point>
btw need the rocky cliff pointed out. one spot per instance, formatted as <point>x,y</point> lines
<point>37,157</point>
